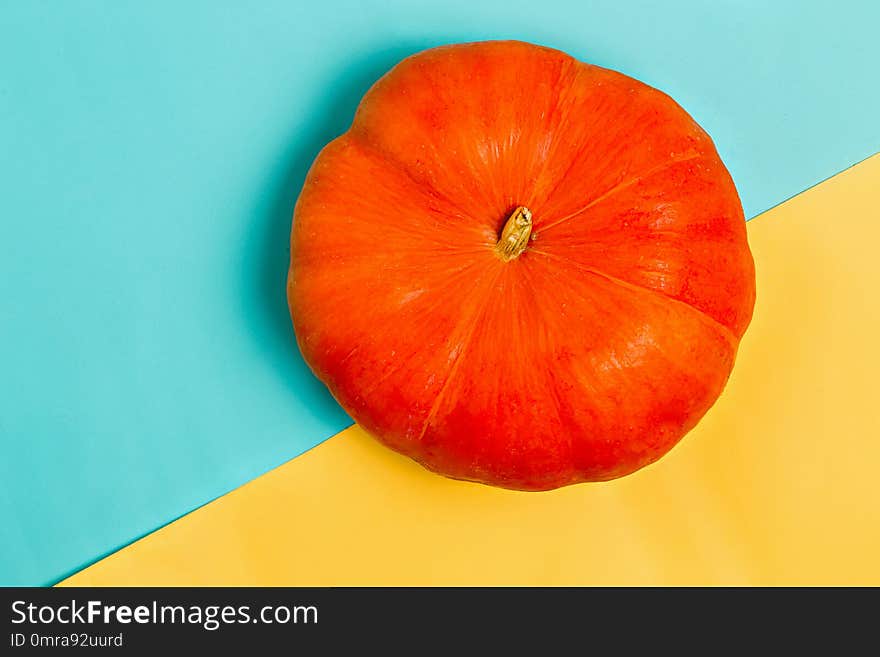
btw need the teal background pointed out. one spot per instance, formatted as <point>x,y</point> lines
<point>150,157</point>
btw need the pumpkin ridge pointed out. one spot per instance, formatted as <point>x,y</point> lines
<point>557,118</point>
<point>387,158</point>
<point>626,185</point>
<point>581,68</point>
<point>465,343</point>
<point>387,375</point>
<point>528,284</point>
<point>641,289</point>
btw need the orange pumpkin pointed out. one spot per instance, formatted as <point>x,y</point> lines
<point>520,269</point>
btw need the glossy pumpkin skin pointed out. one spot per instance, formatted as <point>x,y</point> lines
<point>586,357</point>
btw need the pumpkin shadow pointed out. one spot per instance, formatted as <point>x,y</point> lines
<point>267,312</point>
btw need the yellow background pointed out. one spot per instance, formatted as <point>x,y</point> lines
<point>777,485</point>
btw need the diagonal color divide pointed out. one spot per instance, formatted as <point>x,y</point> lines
<point>150,156</point>
<point>777,485</point>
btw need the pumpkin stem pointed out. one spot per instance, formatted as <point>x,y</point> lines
<point>515,235</point>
